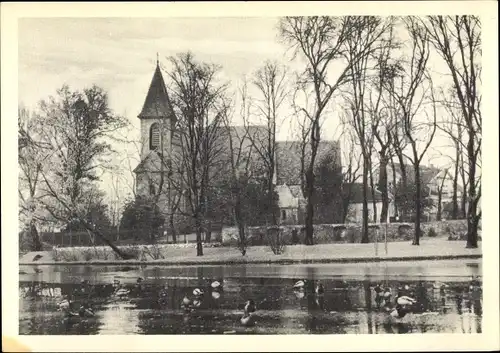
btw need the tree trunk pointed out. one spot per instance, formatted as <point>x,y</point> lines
<point>240,223</point>
<point>472,218</point>
<point>309,221</point>
<point>346,200</point>
<point>364,236</point>
<point>173,231</point>
<point>454,212</point>
<point>404,177</point>
<point>374,200</point>
<point>270,190</point>
<point>418,204</point>
<point>465,183</point>
<point>208,233</point>
<point>199,232</point>
<point>345,210</point>
<point>309,207</point>
<point>105,240</point>
<point>382,186</point>
<point>463,204</point>
<point>37,244</point>
<point>394,181</point>
<point>439,210</point>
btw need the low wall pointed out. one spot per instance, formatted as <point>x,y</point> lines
<point>349,233</point>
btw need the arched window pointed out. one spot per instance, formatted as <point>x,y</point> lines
<point>154,136</point>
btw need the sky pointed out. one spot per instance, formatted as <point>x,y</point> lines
<point>119,55</point>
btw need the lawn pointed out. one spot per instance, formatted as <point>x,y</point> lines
<point>186,254</point>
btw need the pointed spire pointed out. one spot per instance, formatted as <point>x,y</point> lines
<point>157,59</point>
<point>157,103</point>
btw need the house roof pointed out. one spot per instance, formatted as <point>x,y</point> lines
<point>288,155</point>
<point>426,173</point>
<point>157,103</point>
<point>357,193</point>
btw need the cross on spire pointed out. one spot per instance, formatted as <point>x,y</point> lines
<point>157,59</point>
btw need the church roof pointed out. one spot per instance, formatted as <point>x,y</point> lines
<point>288,156</point>
<point>157,103</point>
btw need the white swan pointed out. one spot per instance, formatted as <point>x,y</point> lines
<point>299,284</point>
<point>216,285</point>
<point>122,292</point>
<point>405,300</point>
<point>197,292</point>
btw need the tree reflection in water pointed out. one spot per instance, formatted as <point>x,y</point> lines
<point>346,306</point>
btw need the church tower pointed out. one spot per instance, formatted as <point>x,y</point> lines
<point>157,120</point>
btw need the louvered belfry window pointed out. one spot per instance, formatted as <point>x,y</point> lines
<point>154,137</point>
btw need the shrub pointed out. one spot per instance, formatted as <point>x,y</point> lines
<point>88,254</point>
<point>276,240</point>
<point>373,232</point>
<point>432,233</point>
<point>25,242</point>
<point>352,235</point>
<point>339,233</point>
<point>105,254</point>
<point>405,232</point>
<point>254,237</point>
<point>56,254</point>
<point>295,236</point>
<point>154,251</point>
<point>69,255</point>
<point>452,235</point>
<point>323,234</point>
<point>132,252</point>
<point>303,234</point>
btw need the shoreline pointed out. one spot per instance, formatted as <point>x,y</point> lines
<point>244,261</point>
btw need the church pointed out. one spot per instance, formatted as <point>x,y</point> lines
<point>158,140</point>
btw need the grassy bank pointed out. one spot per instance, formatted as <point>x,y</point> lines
<point>430,249</point>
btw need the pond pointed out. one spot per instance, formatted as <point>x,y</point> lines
<point>333,299</point>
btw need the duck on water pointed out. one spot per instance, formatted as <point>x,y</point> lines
<point>66,306</point>
<point>249,309</point>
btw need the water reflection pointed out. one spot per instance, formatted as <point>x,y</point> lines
<point>157,301</point>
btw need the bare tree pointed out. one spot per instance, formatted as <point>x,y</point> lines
<point>240,151</point>
<point>409,97</point>
<point>33,154</point>
<point>381,111</point>
<point>198,99</point>
<point>440,195</point>
<point>350,173</point>
<point>77,126</point>
<point>458,41</point>
<point>360,118</point>
<point>271,83</point>
<point>322,41</point>
<point>453,128</point>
